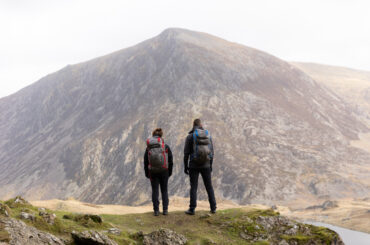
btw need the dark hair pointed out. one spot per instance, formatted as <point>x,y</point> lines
<point>157,132</point>
<point>197,122</point>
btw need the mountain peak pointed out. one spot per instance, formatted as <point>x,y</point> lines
<point>194,37</point>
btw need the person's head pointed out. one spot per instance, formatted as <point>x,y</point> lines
<point>197,123</point>
<point>157,132</point>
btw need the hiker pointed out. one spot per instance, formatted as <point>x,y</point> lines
<point>199,147</point>
<point>158,168</point>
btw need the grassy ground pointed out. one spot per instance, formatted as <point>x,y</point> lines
<point>225,227</point>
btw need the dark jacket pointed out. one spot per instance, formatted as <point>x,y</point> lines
<point>169,161</point>
<point>188,150</point>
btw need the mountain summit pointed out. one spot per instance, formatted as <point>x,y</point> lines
<point>278,134</point>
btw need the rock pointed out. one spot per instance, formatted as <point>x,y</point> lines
<point>292,231</point>
<point>164,237</point>
<point>67,216</point>
<point>28,216</point>
<point>138,235</point>
<point>91,238</point>
<point>4,210</point>
<point>266,222</point>
<point>283,242</point>
<point>329,204</point>
<point>20,234</point>
<point>95,218</point>
<point>204,216</point>
<point>16,202</point>
<point>274,207</point>
<point>49,218</point>
<point>20,200</point>
<point>42,211</point>
<point>245,236</point>
<point>325,205</point>
<point>114,231</point>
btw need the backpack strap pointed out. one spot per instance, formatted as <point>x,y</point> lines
<point>163,152</point>
<point>195,145</point>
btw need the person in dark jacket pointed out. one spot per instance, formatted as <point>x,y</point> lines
<point>159,178</point>
<point>194,169</point>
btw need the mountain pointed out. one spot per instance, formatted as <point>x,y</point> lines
<point>278,134</point>
<point>351,84</point>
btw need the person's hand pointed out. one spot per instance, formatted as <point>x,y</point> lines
<point>186,170</point>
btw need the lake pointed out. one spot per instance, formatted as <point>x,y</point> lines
<point>349,237</point>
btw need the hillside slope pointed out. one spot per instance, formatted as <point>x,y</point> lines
<point>231,226</point>
<point>279,135</point>
<point>352,85</point>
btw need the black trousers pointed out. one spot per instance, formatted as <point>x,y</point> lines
<point>159,179</point>
<point>207,180</point>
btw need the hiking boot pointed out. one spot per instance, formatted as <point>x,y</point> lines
<point>213,211</point>
<point>165,212</point>
<point>190,211</point>
<point>156,213</point>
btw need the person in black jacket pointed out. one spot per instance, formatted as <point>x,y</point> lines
<point>161,178</point>
<point>194,169</point>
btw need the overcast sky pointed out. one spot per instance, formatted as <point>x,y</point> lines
<point>41,36</point>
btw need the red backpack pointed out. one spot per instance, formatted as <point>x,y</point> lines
<point>157,154</point>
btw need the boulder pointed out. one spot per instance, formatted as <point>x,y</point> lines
<point>91,238</point>
<point>329,204</point>
<point>42,211</point>
<point>28,216</point>
<point>20,233</point>
<point>86,217</point>
<point>49,218</point>
<point>114,231</point>
<point>164,237</point>
<point>20,200</point>
<point>325,205</point>
<point>4,210</point>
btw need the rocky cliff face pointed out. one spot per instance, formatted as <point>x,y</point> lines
<point>278,134</point>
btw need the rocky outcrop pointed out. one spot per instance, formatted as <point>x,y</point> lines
<point>325,205</point>
<point>281,230</point>
<point>114,231</point>
<point>28,216</point>
<point>21,234</point>
<point>4,210</point>
<point>17,201</point>
<point>91,238</point>
<point>164,237</point>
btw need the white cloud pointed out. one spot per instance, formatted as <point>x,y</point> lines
<point>41,36</point>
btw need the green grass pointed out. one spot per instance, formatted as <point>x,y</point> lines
<point>226,227</point>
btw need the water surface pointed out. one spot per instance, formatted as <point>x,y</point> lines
<point>349,237</point>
